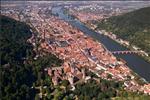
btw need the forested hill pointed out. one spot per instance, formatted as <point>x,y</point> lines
<point>133,26</point>
<point>16,76</point>
<point>19,71</point>
<point>14,35</point>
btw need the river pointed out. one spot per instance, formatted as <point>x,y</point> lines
<point>135,62</point>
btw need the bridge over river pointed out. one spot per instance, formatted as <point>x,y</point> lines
<point>127,52</point>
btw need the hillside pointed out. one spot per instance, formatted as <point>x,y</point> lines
<point>13,49</point>
<point>19,71</point>
<point>133,26</point>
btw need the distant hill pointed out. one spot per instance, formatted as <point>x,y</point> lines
<point>133,26</point>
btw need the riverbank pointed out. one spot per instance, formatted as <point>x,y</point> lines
<point>144,55</point>
<point>122,42</point>
<point>125,44</point>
